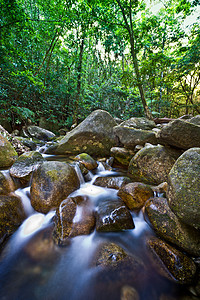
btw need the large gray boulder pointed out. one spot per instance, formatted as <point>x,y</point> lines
<point>184,187</point>
<point>39,133</point>
<point>152,164</point>
<point>93,136</point>
<point>139,123</point>
<point>180,134</point>
<point>130,137</point>
<point>52,182</point>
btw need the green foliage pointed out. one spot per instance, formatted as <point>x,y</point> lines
<point>62,60</point>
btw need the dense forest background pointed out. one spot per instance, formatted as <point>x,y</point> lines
<point>61,59</point>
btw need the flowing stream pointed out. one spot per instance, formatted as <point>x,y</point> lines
<point>32,267</point>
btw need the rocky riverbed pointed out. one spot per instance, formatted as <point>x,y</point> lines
<point>117,203</point>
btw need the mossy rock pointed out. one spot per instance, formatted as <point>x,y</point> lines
<point>87,161</point>
<point>52,182</point>
<point>184,187</point>
<point>170,262</point>
<point>26,164</point>
<point>152,164</point>
<point>8,155</point>
<point>135,194</point>
<point>122,155</point>
<point>11,215</point>
<point>170,228</point>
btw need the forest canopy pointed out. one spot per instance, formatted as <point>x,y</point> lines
<point>60,60</point>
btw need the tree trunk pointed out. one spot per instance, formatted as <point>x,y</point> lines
<point>147,112</point>
<point>79,71</point>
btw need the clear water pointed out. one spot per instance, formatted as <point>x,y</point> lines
<point>32,267</point>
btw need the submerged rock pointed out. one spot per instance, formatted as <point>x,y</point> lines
<point>11,215</point>
<point>41,247</point>
<point>184,187</point>
<point>94,136</point>
<point>52,182</point>
<point>75,217</point>
<point>170,228</point>
<point>26,164</point>
<point>135,194</point>
<point>170,262</point>
<point>113,215</point>
<point>152,164</point>
<point>112,182</point>
<point>180,134</point>
<point>117,266</point>
<point>129,293</point>
<point>88,162</point>
<point>8,155</point>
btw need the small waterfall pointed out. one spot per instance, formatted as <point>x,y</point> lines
<point>23,194</point>
<point>100,167</point>
<point>79,174</point>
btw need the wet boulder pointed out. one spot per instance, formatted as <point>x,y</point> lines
<point>113,215</point>
<point>25,165</point>
<point>88,162</point>
<point>11,215</point>
<point>94,136</point>
<point>152,164</point>
<point>170,228</point>
<point>170,262</point>
<point>39,133</point>
<point>130,137</point>
<point>112,182</point>
<point>8,155</point>
<point>122,155</point>
<point>139,123</point>
<point>52,182</point>
<point>7,184</point>
<point>184,187</point>
<point>135,194</point>
<point>74,217</point>
<point>180,134</point>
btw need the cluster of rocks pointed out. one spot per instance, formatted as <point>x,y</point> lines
<point>163,165</point>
